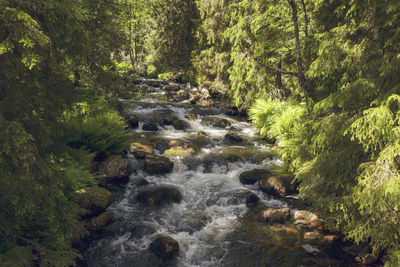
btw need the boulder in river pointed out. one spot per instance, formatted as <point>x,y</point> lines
<point>178,148</point>
<point>276,184</point>
<point>216,122</point>
<point>233,138</point>
<point>93,200</point>
<point>275,214</point>
<point>252,176</point>
<point>140,150</point>
<point>114,170</point>
<point>157,164</point>
<point>165,247</point>
<point>159,196</point>
<point>177,123</point>
<point>133,121</point>
<point>150,126</point>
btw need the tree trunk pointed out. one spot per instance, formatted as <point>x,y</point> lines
<point>300,72</point>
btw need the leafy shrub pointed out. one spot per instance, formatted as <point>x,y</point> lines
<point>102,133</point>
<point>276,119</point>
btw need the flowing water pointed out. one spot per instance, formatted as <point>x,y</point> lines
<point>212,223</point>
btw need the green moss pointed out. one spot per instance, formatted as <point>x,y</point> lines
<point>245,153</point>
<point>178,152</point>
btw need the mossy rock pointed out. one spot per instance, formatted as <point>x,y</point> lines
<point>216,122</point>
<point>141,147</point>
<point>237,153</point>
<point>176,152</point>
<point>179,148</point>
<point>93,200</point>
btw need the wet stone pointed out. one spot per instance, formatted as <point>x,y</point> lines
<point>216,122</point>
<point>157,164</point>
<point>165,247</point>
<point>252,176</point>
<point>159,196</point>
<point>233,138</point>
<point>150,127</point>
<point>177,123</point>
<point>133,121</point>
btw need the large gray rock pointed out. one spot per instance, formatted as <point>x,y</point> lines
<point>157,164</point>
<point>276,184</point>
<point>275,215</point>
<point>165,247</point>
<point>159,196</point>
<point>252,176</point>
<point>114,170</point>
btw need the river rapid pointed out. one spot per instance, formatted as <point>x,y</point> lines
<point>214,223</point>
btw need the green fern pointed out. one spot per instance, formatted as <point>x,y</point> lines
<point>103,133</point>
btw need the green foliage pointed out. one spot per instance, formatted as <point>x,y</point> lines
<point>36,200</point>
<point>346,156</point>
<point>277,119</point>
<point>51,52</point>
<point>102,133</point>
<point>247,48</point>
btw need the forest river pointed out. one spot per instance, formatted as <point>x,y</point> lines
<point>215,220</point>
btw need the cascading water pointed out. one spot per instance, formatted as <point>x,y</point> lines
<point>212,224</point>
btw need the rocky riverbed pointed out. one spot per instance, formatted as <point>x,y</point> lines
<point>198,187</point>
